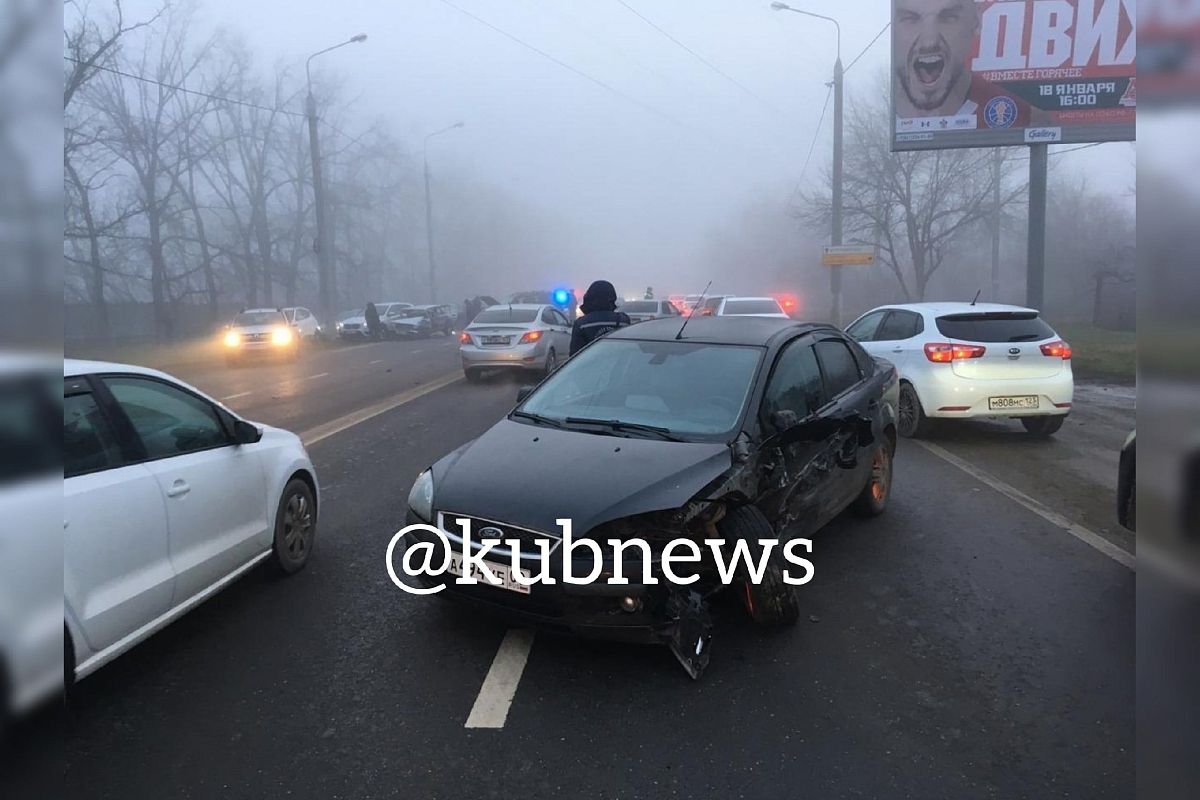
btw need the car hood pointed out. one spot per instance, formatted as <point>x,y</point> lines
<point>414,321</point>
<point>353,320</point>
<point>257,328</point>
<point>530,476</point>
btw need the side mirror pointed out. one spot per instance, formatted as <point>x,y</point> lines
<point>524,393</point>
<point>245,433</point>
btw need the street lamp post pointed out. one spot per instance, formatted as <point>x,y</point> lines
<point>322,246</point>
<point>429,212</point>
<point>835,273</point>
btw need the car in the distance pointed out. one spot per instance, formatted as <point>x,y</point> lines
<point>355,327</point>
<point>709,305</point>
<point>530,337</point>
<point>419,322</point>
<point>304,321</point>
<point>743,429</point>
<point>751,307</point>
<point>167,497</point>
<point>644,310</point>
<point>257,333</point>
<point>966,360</point>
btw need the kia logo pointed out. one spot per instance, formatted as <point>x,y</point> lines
<point>1012,351</point>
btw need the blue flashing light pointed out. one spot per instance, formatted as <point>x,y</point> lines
<point>561,297</point>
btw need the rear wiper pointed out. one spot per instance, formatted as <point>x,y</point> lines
<point>538,418</point>
<point>618,425</point>
<point>1028,337</point>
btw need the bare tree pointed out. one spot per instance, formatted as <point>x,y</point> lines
<point>90,44</point>
<point>912,205</point>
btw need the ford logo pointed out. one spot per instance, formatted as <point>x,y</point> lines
<point>491,533</point>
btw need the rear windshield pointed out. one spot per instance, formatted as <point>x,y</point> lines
<point>1020,326</point>
<point>505,314</point>
<point>735,307</point>
<point>259,318</point>
<point>640,307</point>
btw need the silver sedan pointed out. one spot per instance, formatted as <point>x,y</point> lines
<point>520,336</point>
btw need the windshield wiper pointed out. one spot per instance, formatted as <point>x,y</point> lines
<point>538,418</point>
<point>618,425</point>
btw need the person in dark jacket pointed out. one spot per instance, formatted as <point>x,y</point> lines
<point>600,316</point>
<point>372,315</point>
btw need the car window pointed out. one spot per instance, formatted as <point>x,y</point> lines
<point>866,363</point>
<point>898,326</point>
<point>560,318</point>
<point>247,318</point>
<point>639,307</point>
<point>499,314</point>
<point>795,383</point>
<point>735,307</point>
<point>864,329</point>
<point>303,314</point>
<point>89,444</point>
<point>1001,326</point>
<point>168,420</point>
<point>687,387</point>
<point>548,317</point>
<point>837,365</point>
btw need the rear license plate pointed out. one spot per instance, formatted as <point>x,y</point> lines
<point>494,339</point>
<point>1010,403</point>
<point>503,573</point>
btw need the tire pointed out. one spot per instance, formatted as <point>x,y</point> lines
<point>772,603</point>
<point>295,527</point>
<point>551,361</point>
<point>473,375</point>
<point>912,422</point>
<point>873,499</point>
<point>1041,427</point>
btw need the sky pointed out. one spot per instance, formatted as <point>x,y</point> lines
<point>648,165</point>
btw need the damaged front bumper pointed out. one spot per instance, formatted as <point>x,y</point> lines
<point>634,613</point>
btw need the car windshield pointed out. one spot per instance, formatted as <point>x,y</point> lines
<point>1004,326</point>
<point>736,307</point>
<point>247,318</point>
<point>640,307</point>
<point>500,314</point>
<point>687,388</point>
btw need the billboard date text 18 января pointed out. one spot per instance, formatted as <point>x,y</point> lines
<point>990,73</point>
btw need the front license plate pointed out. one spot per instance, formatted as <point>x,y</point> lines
<point>503,573</point>
<point>1010,403</point>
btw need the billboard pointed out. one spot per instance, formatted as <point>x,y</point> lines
<point>989,73</point>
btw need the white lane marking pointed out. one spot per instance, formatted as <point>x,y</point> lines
<point>314,377</point>
<point>500,685</point>
<point>325,430</point>
<point>376,361</point>
<point>235,396</point>
<point>414,352</point>
<point>1089,537</point>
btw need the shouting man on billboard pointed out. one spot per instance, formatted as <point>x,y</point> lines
<point>933,45</point>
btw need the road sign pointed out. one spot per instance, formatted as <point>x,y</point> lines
<point>849,255</point>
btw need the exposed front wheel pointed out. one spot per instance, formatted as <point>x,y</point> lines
<point>551,361</point>
<point>295,527</point>
<point>913,424</point>
<point>771,602</point>
<point>1043,426</point>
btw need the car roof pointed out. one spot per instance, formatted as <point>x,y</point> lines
<point>939,308</point>
<point>758,331</point>
<point>518,306</point>
<point>260,310</point>
<point>747,297</point>
<point>74,366</point>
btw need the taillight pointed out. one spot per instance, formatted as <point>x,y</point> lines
<point>944,353</point>
<point>464,338</point>
<point>1059,349</point>
<point>531,337</point>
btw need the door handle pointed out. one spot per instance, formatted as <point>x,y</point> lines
<point>178,489</point>
<point>898,350</point>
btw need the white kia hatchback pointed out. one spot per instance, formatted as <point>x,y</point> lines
<point>168,497</point>
<point>958,360</point>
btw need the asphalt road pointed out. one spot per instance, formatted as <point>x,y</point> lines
<point>962,645</point>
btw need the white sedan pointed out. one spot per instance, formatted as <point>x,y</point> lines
<point>962,360</point>
<point>168,497</point>
<point>751,307</point>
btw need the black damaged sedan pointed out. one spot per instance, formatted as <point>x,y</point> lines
<point>731,428</point>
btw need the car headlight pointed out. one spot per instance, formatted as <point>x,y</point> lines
<point>337,326</point>
<point>420,499</point>
<point>233,339</point>
<point>281,336</point>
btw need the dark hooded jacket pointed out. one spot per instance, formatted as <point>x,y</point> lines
<point>372,317</point>
<point>600,316</point>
